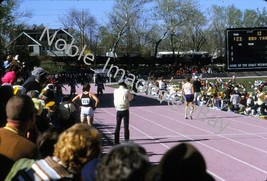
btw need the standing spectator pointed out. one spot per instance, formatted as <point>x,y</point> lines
<point>188,91</point>
<point>11,75</point>
<point>162,89</point>
<point>125,162</point>
<point>73,85</point>
<point>260,102</point>
<point>36,81</point>
<point>122,98</point>
<point>59,93</point>
<point>14,144</point>
<point>75,147</point>
<point>88,104</point>
<point>100,85</point>
<point>197,89</point>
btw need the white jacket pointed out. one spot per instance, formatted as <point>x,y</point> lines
<point>122,98</point>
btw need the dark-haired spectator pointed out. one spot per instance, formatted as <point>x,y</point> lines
<point>18,88</point>
<point>6,92</point>
<point>10,76</point>
<point>42,122</point>
<point>183,162</point>
<point>100,85</point>
<point>197,89</point>
<point>45,146</point>
<point>75,147</point>
<point>125,162</point>
<point>88,103</point>
<point>14,144</point>
<point>73,85</point>
<point>58,88</point>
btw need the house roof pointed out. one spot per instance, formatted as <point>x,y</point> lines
<point>27,33</point>
<point>65,32</point>
<point>28,36</point>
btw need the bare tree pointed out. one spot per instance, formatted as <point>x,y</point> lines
<point>81,24</point>
<point>11,21</point>
<point>173,14</point>
<point>122,21</point>
<point>193,32</point>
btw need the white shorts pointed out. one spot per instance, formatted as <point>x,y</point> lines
<point>87,111</point>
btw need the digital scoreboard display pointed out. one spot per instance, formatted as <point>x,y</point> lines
<point>246,48</point>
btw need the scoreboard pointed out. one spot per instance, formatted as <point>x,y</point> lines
<point>246,48</point>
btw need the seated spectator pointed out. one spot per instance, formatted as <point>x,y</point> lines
<point>14,144</point>
<point>183,162</point>
<point>75,147</point>
<point>125,162</point>
<point>45,146</point>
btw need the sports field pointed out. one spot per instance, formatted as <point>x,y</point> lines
<point>234,145</point>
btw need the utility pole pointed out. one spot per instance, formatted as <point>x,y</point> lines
<point>82,29</point>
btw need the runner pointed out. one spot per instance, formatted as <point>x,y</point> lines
<point>188,92</point>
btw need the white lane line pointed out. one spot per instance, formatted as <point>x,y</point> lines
<point>219,135</point>
<point>191,139</point>
<point>234,158</point>
<point>213,113</point>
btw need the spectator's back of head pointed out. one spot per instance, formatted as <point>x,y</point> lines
<point>125,162</point>
<point>20,108</point>
<point>46,141</point>
<point>183,162</point>
<point>6,92</point>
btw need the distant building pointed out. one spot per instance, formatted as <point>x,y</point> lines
<point>30,38</point>
<point>163,54</point>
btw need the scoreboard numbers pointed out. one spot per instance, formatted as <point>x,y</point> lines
<point>246,48</point>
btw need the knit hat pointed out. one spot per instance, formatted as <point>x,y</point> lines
<point>38,71</point>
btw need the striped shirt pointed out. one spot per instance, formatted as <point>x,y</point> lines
<point>46,169</point>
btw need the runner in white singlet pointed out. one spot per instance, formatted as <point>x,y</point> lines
<point>188,92</point>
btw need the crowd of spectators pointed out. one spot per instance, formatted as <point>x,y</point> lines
<point>226,95</point>
<point>42,139</point>
<point>234,96</point>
